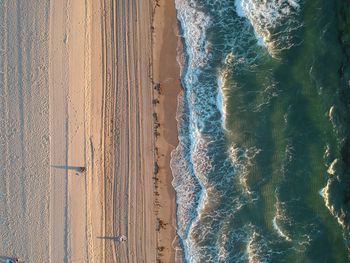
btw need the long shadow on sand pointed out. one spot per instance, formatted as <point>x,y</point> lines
<point>116,238</point>
<point>66,167</point>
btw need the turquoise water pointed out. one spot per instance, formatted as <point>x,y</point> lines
<point>261,168</point>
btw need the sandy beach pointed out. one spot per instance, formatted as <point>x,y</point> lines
<point>167,75</point>
<point>24,131</point>
<point>77,91</point>
<point>88,104</point>
<point>50,208</point>
<point>128,133</point>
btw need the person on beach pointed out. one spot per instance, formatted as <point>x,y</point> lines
<point>122,239</point>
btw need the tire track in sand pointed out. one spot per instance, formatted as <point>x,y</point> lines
<point>128,132</point>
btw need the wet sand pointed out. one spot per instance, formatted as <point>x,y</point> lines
<point>167,75</point>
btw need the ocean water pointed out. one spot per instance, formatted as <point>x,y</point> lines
<point>261,169</point>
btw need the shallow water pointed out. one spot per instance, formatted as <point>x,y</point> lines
<point>259,171</point>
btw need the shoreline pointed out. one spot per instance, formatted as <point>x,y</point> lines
<point>166,80</point>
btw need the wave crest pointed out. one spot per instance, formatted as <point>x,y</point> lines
<point>273,21</point>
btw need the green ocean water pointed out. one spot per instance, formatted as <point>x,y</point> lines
<point>264,131</point>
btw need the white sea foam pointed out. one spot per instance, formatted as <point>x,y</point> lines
<point>195,195</point>
<point>294,4</point>
<point>267,16</point>
<point>280,216</point>
<point>223,253</point>
<point>190,161</point>
<point>325,192</point>
<point>242,160</point>
<point>331,112</point>
<point>194,31</point>
<point>332,168</point>
<point>334,117</point>
<point>222,98</point>
<point>229,59</point>
<point>267,95</point>
<point>200,129</point>
<point>256,248</point>
<point>251,250</point>
<point>327,152</point>
<point>239,8</point>
<point>210,198</point>
<point>202,163</point>
<point>279,230</point>
<point>183,182</point>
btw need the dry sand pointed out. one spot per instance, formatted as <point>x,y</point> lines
<point>128,144</point>
<point>76,91</point>
<point>75,133</point>
<point>50,120</point>
<point>24,130</point>
<point>167,74</point>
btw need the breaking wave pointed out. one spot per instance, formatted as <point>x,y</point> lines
<point>220,201</point>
